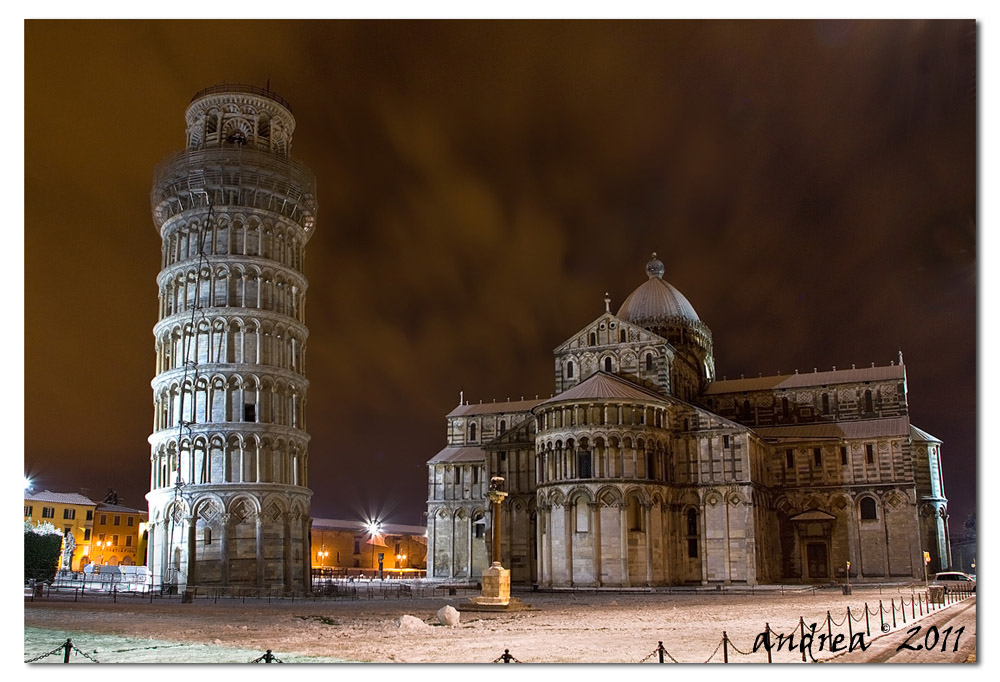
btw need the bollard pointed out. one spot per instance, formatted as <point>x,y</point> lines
<point>68,646</point>
<point>725,647</point>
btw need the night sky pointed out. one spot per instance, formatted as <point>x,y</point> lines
<point>810,187</point>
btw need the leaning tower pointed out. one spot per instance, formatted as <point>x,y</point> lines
<point>229,496</point>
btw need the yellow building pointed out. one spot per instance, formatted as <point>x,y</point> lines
<point>69,513</point>
<point>350,548</point>
<point>116,535</point>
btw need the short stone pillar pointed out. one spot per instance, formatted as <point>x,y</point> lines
<point>496,586</point>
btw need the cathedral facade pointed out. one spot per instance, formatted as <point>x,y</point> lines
<point>643,469</point>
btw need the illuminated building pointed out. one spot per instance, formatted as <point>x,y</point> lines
<point>229,498</point>
<point>116,535</point>
<point>69,513</point>
<point>351,548</point>
<point>644,469</point>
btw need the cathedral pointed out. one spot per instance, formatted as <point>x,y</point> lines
<point>645,470</point>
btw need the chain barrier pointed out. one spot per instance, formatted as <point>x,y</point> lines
<point>835,623</point>
<point>737,650</point>
<point>51,653</point>
<point>66,647</point>
<point>85,654</point>
<point>506,657</point>
<point>712,655</point>
<point>267,657</point>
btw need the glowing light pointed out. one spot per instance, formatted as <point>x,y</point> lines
<point>373,527</point>
<point>27,484</point>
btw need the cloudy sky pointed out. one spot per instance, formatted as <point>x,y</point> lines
<point>810,187</point>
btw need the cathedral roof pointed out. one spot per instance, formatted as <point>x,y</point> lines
<point>507,407</point>
<point>452,453</point>
<point>656,300</point>
<point>846,430</point>
<point>920,434</point>
<point>808,379</point>
<point>603,385</point>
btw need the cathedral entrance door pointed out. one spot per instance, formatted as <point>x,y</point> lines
<point>816,560</point>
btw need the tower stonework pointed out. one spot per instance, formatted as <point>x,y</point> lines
<point>229,496</point>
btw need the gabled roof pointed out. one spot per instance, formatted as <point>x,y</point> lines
<point>782,381</point>
<point>920,434</point>
<point>644,335</point>
<point>452,453</point>
<point>601,385</point>
<point>813,515</point>
<point>845,430</point>
<point>60,498</point>
<point>119,509</point>
<point>508,407</point>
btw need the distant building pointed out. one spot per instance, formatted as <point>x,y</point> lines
<point>117,535</point>
<point>645,469</point>
<point>69,513</point>
<point>349,548</point>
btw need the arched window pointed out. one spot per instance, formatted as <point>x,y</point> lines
<point>649,362</point>
<point>635,515</point>
<point>593,339</point>
<point>569,369</point>
<point>472,431</point>
<point>607,364</point>
<point>621,336</point>
<point>503,425</point>
<point>868,511</point>
<point>869,405</point>
<point>692,533</point>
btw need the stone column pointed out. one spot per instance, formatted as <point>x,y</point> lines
<point>259,523</point>
<point>431,540</point>
<point>623,524</point>
<point>568,511</point>
<point>649,544</point>
<point>224,548</point>
<point>548,545</point>
<point>192,543</point>
<point>595,509</point>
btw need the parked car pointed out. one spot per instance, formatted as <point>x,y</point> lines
<point>955,580</point>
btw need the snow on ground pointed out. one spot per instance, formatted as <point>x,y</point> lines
<point>572,627</point>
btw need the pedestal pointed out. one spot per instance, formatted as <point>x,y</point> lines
<point>496,586</point>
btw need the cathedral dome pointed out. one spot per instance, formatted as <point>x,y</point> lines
<point>656,300</point>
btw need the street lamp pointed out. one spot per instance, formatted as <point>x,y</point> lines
<point>374,528</point>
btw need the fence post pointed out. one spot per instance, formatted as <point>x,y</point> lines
<point>725,647</point>
<point>921,602</point>
<point>659,650</point>
<point>114,594</point>
<point>893,602</point>
<point>68,646</point>
<point>850,632</point>
<point>767,635</point>
<point>868,627</point>
<point>829,625</point>
<point>902,607</point>
<point>802,636</point>
<point>881,617</point>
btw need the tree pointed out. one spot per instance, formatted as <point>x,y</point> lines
<point>42,546</point>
